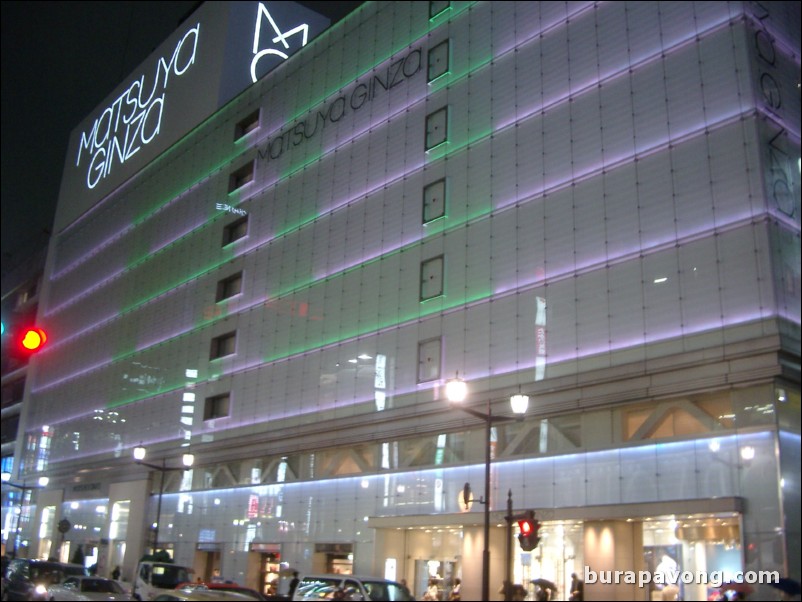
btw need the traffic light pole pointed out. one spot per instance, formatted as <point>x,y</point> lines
<point>508,567</point>
<point>489,420</point>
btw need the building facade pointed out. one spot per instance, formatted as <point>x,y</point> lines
<point>594,204</point>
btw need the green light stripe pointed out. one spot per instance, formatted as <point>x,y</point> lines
<point>401,47</point>
<point>410,318</point>
<point>150,213</point>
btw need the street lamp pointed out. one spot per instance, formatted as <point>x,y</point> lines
<point>456,393</point>
<point>139,457</point>
<point>41,483</point>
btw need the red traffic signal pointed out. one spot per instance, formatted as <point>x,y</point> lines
<point>32,339</point>
<point>528,536</point>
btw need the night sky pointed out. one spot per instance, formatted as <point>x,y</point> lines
<point>59,61</point>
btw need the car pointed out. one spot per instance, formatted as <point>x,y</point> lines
<point>226,586</point>
<point>88,589</point>
<point>350,587</point>
<point>201,595</point>
<point>28,579</point>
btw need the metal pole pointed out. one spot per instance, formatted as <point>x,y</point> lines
<point>486,551</point>
<point>508,568</point>
<point>159,509</point>
<point>17,519</point>
<point>18,516</point>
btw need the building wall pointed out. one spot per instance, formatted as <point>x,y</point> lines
<point>620,226</point>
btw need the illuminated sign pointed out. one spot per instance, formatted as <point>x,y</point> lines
<point>222,50</point>
<point>364,91</point>
<point>230,209</point>
<point>280,37</point>
<point>134,118</point>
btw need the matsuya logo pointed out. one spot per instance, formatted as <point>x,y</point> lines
<point>134,119</point>
<point>280,39</point>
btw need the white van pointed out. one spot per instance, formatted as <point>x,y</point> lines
<point>349,587</point>
<point>154,578</point>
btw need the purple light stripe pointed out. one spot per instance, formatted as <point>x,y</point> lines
<point>545,30</point>
<point>120,272</point>
<point>120,233</point>
<point>245,198</point>
<point>565,182</point>
<point>536,35</point>
<point>709,230</point>
<point>538,194</point>
<point>729,441</point>
<point>778,38</point>
<point>781,123</point>
<point>691,39</point>
<point>141,347</point>
<point>622,160</point>
<point>612,76</point>
<point>260,140</point>
<point>551,359</point>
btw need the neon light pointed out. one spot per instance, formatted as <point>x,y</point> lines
<point>534,111</point>
<point>610,77</point>
<point>409,243</point>
<point>130,123</point>
<point>237,152</point>
<point>567,181</point>
<point>280,37</point>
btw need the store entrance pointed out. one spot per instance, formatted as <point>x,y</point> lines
<point>207,559</point>
<point>335,558</point>
<point>270,567</point>
<point>440,573</point>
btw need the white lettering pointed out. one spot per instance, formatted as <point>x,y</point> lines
<point>713,579</point>
<point>280,36</point>
<point>133,120</point>
<point>229,209</point>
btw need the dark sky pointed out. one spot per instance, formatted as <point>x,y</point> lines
<point>59,61</point>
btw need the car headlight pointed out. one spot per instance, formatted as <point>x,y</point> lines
<point>40,590</point>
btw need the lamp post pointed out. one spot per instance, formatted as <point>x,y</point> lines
<point>6,479</point>
<point>456,392</point>
<point>139,457</point>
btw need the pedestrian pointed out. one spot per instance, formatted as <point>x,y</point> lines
<point>115,574</point>
<point>577,588</point>
<point>432,593</point>
<point>455,591</point>
<point>294,583</point>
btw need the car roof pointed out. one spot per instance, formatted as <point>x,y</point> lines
<point>370,578</point>
<point>225,585</point>
<point>46,562</point>
<point>210,595</point>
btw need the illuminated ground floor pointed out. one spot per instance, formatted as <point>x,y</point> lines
<point>714,504</point>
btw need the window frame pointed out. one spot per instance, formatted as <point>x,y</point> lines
<point>242,176</point>
<point>247,124</point>
<point>422,346</point>
<point>232,229</point>
<point>219,346</point>
<point>213,403</point>
<point>223,287</point>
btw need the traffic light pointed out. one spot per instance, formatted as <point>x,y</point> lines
<point>29,340</point>
<point>528,527</point>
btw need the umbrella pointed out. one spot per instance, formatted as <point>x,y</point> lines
<point>788,586</point>
<point>544,583</point>
<point>737,586</point>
